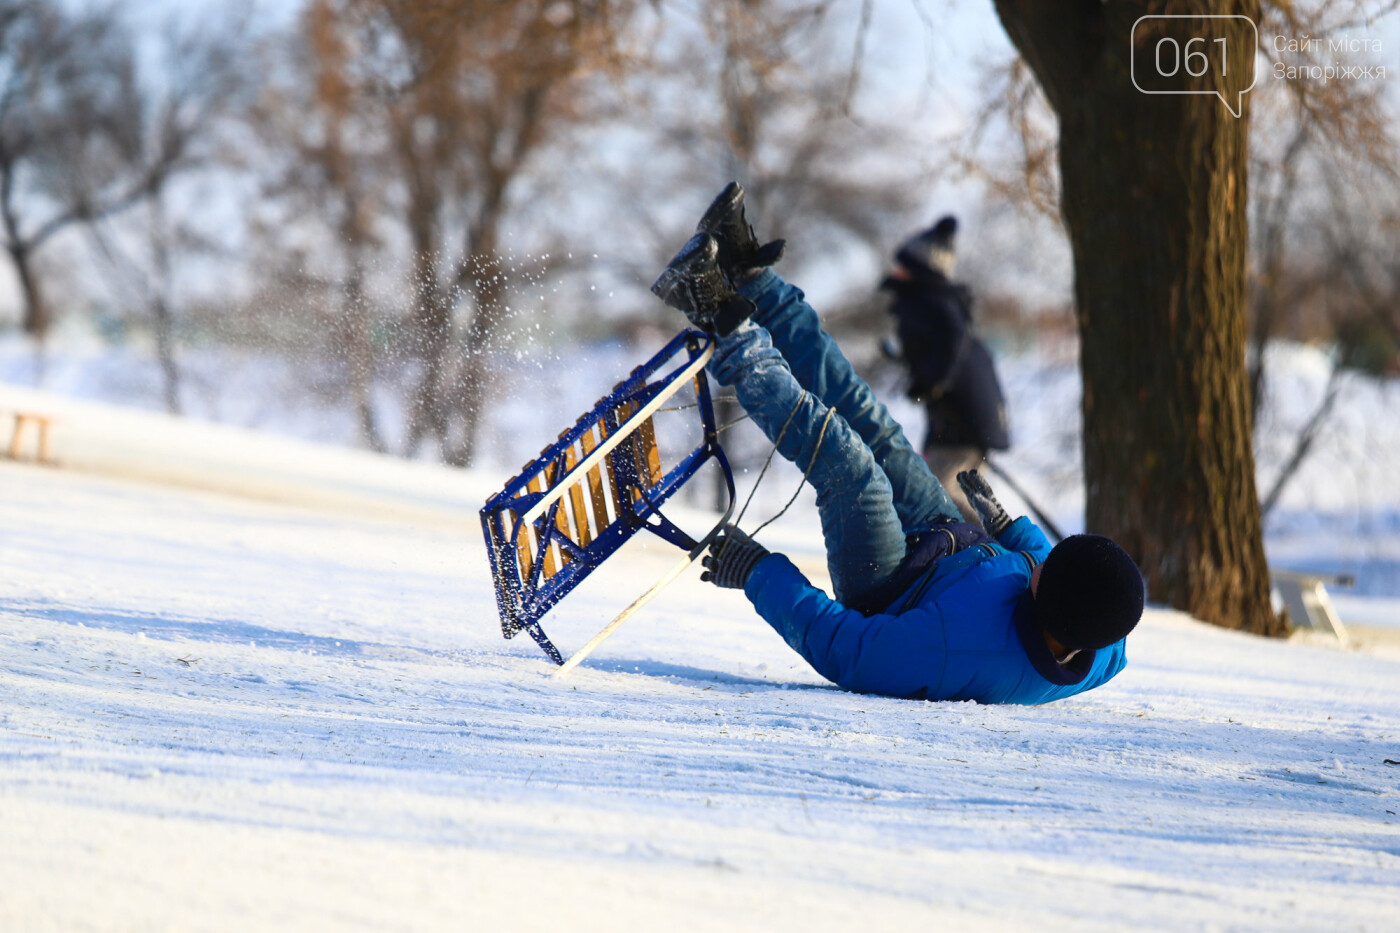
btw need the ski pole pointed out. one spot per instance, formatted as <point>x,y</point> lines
<point>1040,515</point>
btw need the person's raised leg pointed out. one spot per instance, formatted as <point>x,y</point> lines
<point>865,540</point>
<point>818,363</point>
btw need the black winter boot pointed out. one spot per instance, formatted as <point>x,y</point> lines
<point>693,283</point>
<point>739,253</point>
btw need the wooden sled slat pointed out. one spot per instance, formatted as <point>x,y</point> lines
<point>596,495</point>
<point>537,484</point>
<point>649,456</point>
<point>577,508</point>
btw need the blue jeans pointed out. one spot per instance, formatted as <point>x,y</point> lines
<point>873,488</point>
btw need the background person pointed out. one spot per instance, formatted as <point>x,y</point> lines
<point>950,370</point>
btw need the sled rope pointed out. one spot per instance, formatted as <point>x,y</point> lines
<point>689,405</point>
<point>721,428</point>
<point>821,436</point>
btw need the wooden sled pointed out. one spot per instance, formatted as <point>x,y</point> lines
<point>600,483</point>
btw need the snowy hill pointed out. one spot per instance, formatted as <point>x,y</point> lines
<point>295,711</point>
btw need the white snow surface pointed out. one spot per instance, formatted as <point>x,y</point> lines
<point>292,709</point>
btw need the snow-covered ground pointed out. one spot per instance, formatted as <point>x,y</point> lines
<point>295,711</point>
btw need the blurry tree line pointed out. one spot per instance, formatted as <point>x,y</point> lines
<point>385,189</point>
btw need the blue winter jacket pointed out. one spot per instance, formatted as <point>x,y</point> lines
<point>963,631</point>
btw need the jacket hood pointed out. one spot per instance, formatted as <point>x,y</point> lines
<point>1064,675</point>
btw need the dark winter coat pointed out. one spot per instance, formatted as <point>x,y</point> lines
<point>961,631</point>
<point>950,369</point>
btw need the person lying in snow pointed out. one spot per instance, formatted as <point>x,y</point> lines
<point>926,605</point>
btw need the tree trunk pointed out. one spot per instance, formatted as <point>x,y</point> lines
<point>432,328</point>
<point>355,315</point>
<point>1154,195</point>
<point>32,311</point>
<point>161,292</point>
<point>472,394</point>
<point>473,390</point>
<point>35,313</point>
<point>433,332</point>
<point>165,353</point>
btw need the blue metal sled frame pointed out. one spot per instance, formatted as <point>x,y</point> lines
<point>600,483</point>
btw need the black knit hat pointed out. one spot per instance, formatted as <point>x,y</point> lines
<point>931,250</point>
<point>1090,593</point>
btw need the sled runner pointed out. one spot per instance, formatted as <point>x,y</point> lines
<point>600,483</point>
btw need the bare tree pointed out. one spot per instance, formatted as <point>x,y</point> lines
<point>430,129</point>
<point>467,92</point>
<point>196,78</point>
<point>773,94</point>
<point>1323,151</point>
<point>66,78</point>
<point>333,141</point>
<point>1322,147</point>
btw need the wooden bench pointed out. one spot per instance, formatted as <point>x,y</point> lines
<point>42,424</point>
<point>1305,596</point>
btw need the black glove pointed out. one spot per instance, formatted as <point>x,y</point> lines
<point>732,557</point>
<point>994,517</point>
